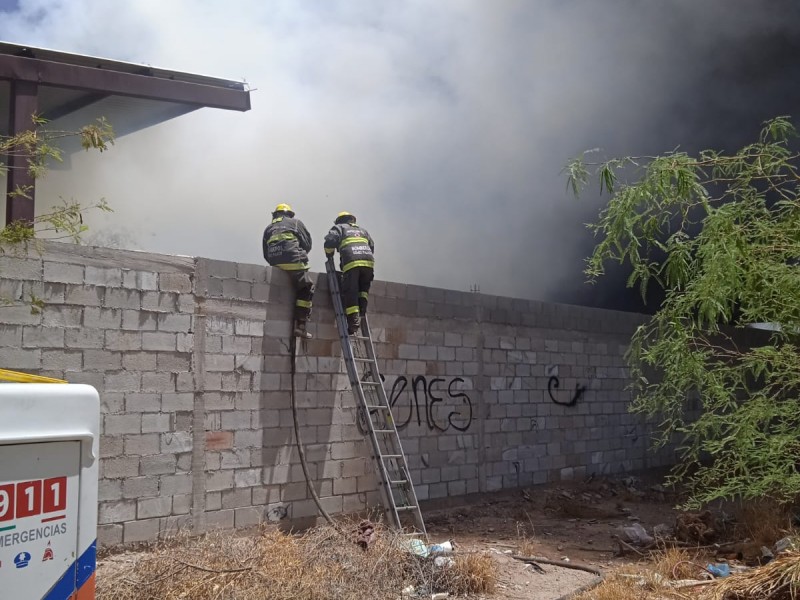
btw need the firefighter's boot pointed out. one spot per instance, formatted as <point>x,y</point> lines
<point>353,323</point>
<point>300,330</point>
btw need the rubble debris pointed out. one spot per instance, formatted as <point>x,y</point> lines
<point>787,543</point>
<point>365,534</point>
<point>637,535</point>
<point>663,531</point>
<point>696,527</point>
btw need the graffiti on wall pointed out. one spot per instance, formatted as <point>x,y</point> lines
<point>436,403</point>
<point>553,384</point>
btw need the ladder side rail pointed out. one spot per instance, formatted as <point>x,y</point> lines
<point>390,506</point>
<point>403,462</point>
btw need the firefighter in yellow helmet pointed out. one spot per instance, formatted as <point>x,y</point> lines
<point>286,245</point>
<point>356,253</point>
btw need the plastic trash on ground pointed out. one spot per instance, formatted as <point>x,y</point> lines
<point>719,569</point>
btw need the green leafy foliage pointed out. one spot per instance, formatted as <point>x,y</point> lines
<point>720,233</point>
<point>36,148</point>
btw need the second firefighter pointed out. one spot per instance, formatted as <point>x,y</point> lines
<point>357,260</point>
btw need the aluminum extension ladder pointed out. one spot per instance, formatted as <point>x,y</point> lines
<point>375,416</point>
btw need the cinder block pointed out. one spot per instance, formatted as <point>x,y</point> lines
<point>142,444</point>
<point>236,498</point>
<point>141,531</point>
<point>174,362</point>
<point>107,277</point>
<point>84,338</point>
<point>11,335</point>
<point>13,267</point>
<point>139,320</point>
<point>219,480</point>
<point>58,360</point>
<point>139,361</point>
<point>158,382</point>
<point>109,490</point>
<point>124,381</point>
<point>221,269</point>
<point>185,342</point>
<point>220,519</point>
<point>175,282</point>
<point>83,295</point>
<point>180,441</point>
<point>247,477</point>
<point>109,535</point>
<point>155,423</point>
<point>116,512</point>
<point>158,465</point>
<point>161,341</point>
<point>60,316</point>
<point>52,293</point>
<point>219,362</point>
<point>248,516</point>
<point>174,322</point>
<point>62,272</point>
<point>115,468</point>
<point>181,504</point>
<point>122,424</point>
<point>42,337</point>
<point>123,340</point>
<point>102,318</point>
<point>239,290</point>
<point>142,280</point>
<point>101,360</point>
<point>172,485</point>
<point>173,402</point>
<point>110,446</point>
<point>159,302</point>
<point>139,487</point>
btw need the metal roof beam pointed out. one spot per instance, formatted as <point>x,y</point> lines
<point>91,79</point>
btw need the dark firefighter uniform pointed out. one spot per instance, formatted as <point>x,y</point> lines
<point>286,246</point>
<point>357,260</point>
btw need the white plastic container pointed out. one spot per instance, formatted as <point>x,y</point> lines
<point>49,449</point>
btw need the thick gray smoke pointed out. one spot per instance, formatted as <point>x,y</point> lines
<point>442,125</point>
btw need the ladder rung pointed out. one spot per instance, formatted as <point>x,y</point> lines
<point>362,359</point>
<point>359,337</point>
<point>377,406</point>
<point>383,430</point>
<point>411,507</point>
<point>398,482</point>
<point>391,456</point>
<point>370,383</point>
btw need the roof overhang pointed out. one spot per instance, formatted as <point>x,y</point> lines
<point>71,90</point>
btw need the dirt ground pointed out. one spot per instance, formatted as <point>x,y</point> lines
<point>563,522</point>
<point>572,522</point>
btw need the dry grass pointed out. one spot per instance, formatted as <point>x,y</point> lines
<point>320,564</point>
<point>763,521</point>
<point>679,563</point>
<point>632,586</point>
<point>778,580</point>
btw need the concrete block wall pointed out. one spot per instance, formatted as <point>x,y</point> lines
<point>191,359</point>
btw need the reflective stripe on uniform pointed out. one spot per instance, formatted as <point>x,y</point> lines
<point>293,266</point>
<point>303,303</point>
<point>353,240</point>
<point>363,295</point>
<point>282,237</point>
<point>330,250</point>
<point>358,263</point>
<point>351,310</point>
